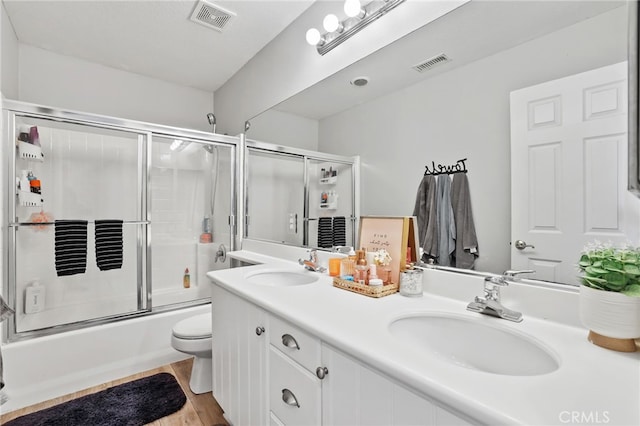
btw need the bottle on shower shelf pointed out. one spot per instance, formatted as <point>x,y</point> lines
<point>206,237</point>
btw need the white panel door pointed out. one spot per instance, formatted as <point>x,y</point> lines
<point>568,171</point>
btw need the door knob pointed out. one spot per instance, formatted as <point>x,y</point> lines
<point>521,245</point>
<point>259,330</point>
<point>321,372</point>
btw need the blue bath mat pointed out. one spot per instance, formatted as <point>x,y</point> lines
<point>134,403</point>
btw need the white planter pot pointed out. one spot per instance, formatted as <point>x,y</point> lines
<point>609,313</point>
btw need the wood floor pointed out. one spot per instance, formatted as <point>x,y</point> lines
<point>199,410</point>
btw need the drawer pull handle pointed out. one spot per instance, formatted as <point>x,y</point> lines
<point>290,342</point>
<point>259,330</point>
<point>321,372</point>
<point>289,398</point>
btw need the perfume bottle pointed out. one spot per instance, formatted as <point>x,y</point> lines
<point>347,265</point>
<point>362,268</point>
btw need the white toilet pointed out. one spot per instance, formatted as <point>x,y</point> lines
<point>193,336</point>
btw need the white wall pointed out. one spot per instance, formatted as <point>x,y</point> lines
<point>464,114</point>
<point>282,128</point>
<point>288,65</point>
<point>8,57</point>
<point>65,82</point>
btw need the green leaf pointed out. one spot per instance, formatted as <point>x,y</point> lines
<point>631,269</point>
<point>612,265</point>
<point>632,290</point>
<point>615,281</point>
<point>593,270</point>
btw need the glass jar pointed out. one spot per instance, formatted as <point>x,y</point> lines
<point>384,273</point>
<point>411,283</point>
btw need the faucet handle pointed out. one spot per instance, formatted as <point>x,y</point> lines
<point>313,255</point>
<point>512,274</point>
<point>496,280</point>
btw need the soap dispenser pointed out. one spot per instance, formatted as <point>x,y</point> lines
<point>34,298</point>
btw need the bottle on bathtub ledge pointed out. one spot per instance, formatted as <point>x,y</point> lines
<point>186,280</point>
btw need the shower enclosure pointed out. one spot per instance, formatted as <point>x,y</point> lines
<point>173,190</point>
<point>300,187</point>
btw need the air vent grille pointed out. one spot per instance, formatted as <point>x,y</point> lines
<point>211,15</point>
<point>431,62</point>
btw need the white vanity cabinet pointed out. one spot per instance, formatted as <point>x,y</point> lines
<point>267,371</point>
<point>240,343</point>
<point>354,394</point>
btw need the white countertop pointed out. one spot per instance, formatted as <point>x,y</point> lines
<point>592,384</point>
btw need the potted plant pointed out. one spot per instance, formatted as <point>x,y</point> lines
<point>610,295</point>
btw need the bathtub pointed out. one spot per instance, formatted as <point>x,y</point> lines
<point>47,367</point>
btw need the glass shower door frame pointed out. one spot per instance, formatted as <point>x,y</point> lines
<point>145,131</point>
<point>307,157</point>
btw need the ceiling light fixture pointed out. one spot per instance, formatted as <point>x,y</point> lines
<point>353,8</point>
<point>358,17</point>
<point>178,145</point>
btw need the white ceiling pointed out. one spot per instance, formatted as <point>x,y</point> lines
<point>471,32</point>
<point>154,38</point>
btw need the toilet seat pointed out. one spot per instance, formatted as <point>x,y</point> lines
<point>196,327</point>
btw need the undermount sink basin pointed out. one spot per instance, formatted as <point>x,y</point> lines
<point>469,343</point>
<point>282,278</point>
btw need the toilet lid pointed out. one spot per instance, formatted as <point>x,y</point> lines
<point>196,327</point>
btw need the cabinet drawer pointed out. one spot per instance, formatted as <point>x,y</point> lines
<point>301,390</point>
<point>296,343</point>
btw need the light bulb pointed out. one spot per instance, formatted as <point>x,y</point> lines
<point>331,23</point>
<point>352,8</point>
<point>313,36</point>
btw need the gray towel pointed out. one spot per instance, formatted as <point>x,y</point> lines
<point>5,311</point>
<point>466,240</point>
<point>446,222</point>
<point>425,211</point>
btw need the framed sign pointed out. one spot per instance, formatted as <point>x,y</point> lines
<point>394,234</point>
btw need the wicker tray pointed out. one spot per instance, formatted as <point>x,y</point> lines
<point>367,290</point>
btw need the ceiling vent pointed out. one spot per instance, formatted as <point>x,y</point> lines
<point>211,15</point>
<point>431,62</point>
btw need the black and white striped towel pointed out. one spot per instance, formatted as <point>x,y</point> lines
<point>325,232</point>
<point>109,244</point>
<point>339,231</point>
<point>70,247</point>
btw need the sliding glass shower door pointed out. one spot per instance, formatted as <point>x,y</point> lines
<point>85,174</point>
<point>191,183</point>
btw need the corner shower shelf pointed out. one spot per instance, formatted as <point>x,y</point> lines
<point>329,206</point>
<point>30,199</point>
<point>30,152</point>
<point>329,181</point>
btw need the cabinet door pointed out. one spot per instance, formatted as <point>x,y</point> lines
<point>353,394</point>
<point>239,358</point>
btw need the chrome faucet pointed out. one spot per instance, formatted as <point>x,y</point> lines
<point>312,263</point>
<point>490,304</point>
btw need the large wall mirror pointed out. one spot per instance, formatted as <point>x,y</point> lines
<point>448,91</point>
